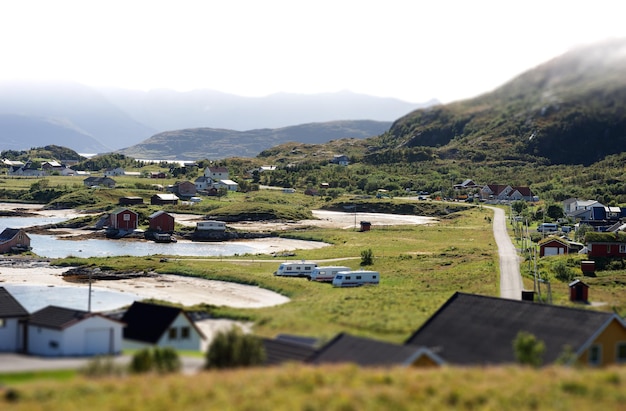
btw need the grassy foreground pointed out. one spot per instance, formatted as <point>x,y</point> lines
<point>296,387</point>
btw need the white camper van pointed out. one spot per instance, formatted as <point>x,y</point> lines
<point>356,278</point>
<point>326,273</point>
<point>296,268</point>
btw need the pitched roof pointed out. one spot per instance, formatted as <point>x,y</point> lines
<point>363,351</point>
<point>147,322</point>
<point>9,306</point>
<point>166,196</point>
<point>8,234</point>
<point>278,351</point>
<point>474,329</point>
<point>58,317</point>
<point>158,213</point>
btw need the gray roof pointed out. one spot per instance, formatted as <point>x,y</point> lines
<point>8,233</point>
<point>474,329</point>
<point>345,348</point>
<point>279,351</point>
<point>58,317</point>
<point>9,306</point>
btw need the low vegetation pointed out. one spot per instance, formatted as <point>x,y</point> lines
<point>328,388</point>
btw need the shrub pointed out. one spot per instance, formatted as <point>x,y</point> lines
<point>162,360</point>
<point>102,367</point>
<point>562,272</point>
<point>528,349</point>
<point>367,257</point>
<point>233,348</point>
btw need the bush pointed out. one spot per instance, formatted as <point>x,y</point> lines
<point>233,348</point>
<point>102,367</point>
<point>528,349</point>
<point>367,257</point>
<point>562,272</point>
<point>162,360</point>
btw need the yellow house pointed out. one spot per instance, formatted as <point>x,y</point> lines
<point>472,329</point>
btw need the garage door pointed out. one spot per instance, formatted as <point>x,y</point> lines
<point>98,341</point>
<point>553,251</point>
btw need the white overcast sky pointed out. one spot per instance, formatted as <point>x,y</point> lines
<point>413,50</point>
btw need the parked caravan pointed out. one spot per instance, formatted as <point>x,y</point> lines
<point>356,278</point>
<point>548,228</point>
<point>296,269</point>
<point>326,274</point>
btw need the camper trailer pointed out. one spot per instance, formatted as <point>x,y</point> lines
<point>296,269</point>
<point>356,278</point>
<point>326,274</point>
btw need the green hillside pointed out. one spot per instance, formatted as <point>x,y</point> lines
<point>570,110</point>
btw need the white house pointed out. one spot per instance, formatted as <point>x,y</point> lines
<point>216,173</point>
<point>112,172</point>
<point>150,325</point>
<point>12,319</point>
<point>229,184</point>
<point>203,182</point>
<point>57,332</point>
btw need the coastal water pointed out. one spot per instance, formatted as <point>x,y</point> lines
<point>36,297</point>
<point>53,247</point>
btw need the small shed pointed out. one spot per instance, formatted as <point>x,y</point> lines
<point>161,221</point>
<point>365,226</point>
<point>124,201</point>
<point>578,291</point>
<point>123,219</point>
<point>588,267</point>
<point>163,199</point>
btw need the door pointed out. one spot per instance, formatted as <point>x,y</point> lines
<point>98,341</point>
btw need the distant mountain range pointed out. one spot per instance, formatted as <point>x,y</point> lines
<point>89,120</point>
<point>211,143</point>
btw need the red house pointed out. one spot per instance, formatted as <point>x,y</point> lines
<point>161,221</point>
<point>553,246</point>
<point>14,240</point>
<point>123,219</point>
<point>606,249</point>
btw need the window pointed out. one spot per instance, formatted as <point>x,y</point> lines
<point>185,333</point>
<point>347,277</point>
<point>2,322</point>
<point>622,248</point>
<point>595,354</point>
<point>173,333</point>
<point>621,353</point>
<point>126,217</point>
<point>358,277</point>
<point>53,344</point>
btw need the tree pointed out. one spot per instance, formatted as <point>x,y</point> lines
<point>233,348</point>
<point>519,206</point>
<point>367,257</point>
<point>528,349</point>
<point>555,211</point>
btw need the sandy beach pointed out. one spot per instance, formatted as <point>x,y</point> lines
<point>183,290</point>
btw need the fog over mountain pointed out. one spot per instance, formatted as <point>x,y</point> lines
<point>91,120</point>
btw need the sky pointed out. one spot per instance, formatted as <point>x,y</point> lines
<point>413,50</point>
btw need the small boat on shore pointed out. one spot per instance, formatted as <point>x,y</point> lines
<point>164,238</point>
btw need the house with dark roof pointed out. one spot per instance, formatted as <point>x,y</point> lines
<point>14,240</point>
<point>280,351</point>
<point>502,192</point>
<point>553,246</point>
<point>150,325</point>
<point>477,330</point>
<point>164,199</point>
<point>345,348</point>
<point>60,332</point>
<point>99,182</point>
<point>13,317</point>
<point>123,219</point>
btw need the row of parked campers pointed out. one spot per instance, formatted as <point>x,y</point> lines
<point>340,276</point>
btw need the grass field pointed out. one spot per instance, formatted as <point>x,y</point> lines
<point>329,388</point>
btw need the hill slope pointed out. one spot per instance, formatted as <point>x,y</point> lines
<point>199,143</point>
<point>570,110</point>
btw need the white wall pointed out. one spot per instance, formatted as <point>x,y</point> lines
<point>9,335</point>
<point>194,342</point>
<point>92,336</point>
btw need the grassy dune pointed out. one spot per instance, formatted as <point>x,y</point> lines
<point>327,388</point>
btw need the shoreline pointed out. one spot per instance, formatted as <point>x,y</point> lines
<point>187,291</point>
